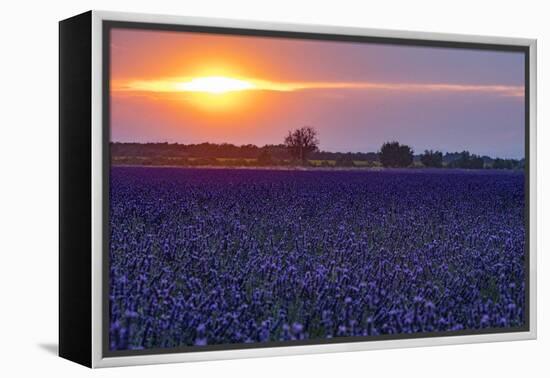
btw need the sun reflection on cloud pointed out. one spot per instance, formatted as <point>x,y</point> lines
<point>226,84</point>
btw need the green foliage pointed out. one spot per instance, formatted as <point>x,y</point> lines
<point>345,160</point>
<point>506,164</point>
<point>432,159</point>
<point>467,161</point>
<point>229,155</point>
<point>265,158</point>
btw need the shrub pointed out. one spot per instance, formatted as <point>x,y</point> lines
<point>467,161</point>
<point>432,159</point>
<point>393,154</point>
<point>265,158</point>
<point>345,160</point>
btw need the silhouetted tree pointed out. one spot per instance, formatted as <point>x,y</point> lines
<point>302,142</point>
<point>393,154</point>
<point>432,159</point>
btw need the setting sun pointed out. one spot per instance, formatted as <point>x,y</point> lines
<point>214,85</point>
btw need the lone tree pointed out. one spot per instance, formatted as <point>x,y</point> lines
<point>393,154</point>
<point>432,159</point>
<point>301,142</point>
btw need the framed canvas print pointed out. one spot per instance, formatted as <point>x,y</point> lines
<point>238,189</point>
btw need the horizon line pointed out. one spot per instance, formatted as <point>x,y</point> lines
<point>415,153</point>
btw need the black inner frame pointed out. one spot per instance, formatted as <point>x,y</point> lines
<point>108,25</point>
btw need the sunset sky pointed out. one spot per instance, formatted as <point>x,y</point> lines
<point>194,87</point>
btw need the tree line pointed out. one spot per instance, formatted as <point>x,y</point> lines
<point>304,141</point>
<point>300,147</point>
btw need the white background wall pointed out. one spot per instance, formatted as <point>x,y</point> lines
<point>28,189</point>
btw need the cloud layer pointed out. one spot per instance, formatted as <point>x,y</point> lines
<point>175,85</point>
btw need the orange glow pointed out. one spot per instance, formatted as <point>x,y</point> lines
<point>224,84</point>
<point>206,84</point>
<point>231,96</point>
<point>214,84</point>
<point>216,102</point>
<point>194,87</point>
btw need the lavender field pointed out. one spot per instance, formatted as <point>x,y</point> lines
<point>222,256</point>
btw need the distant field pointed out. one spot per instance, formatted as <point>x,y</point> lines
<point>356,163</point>
<point>203,256</point>
<point>231,162</point>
